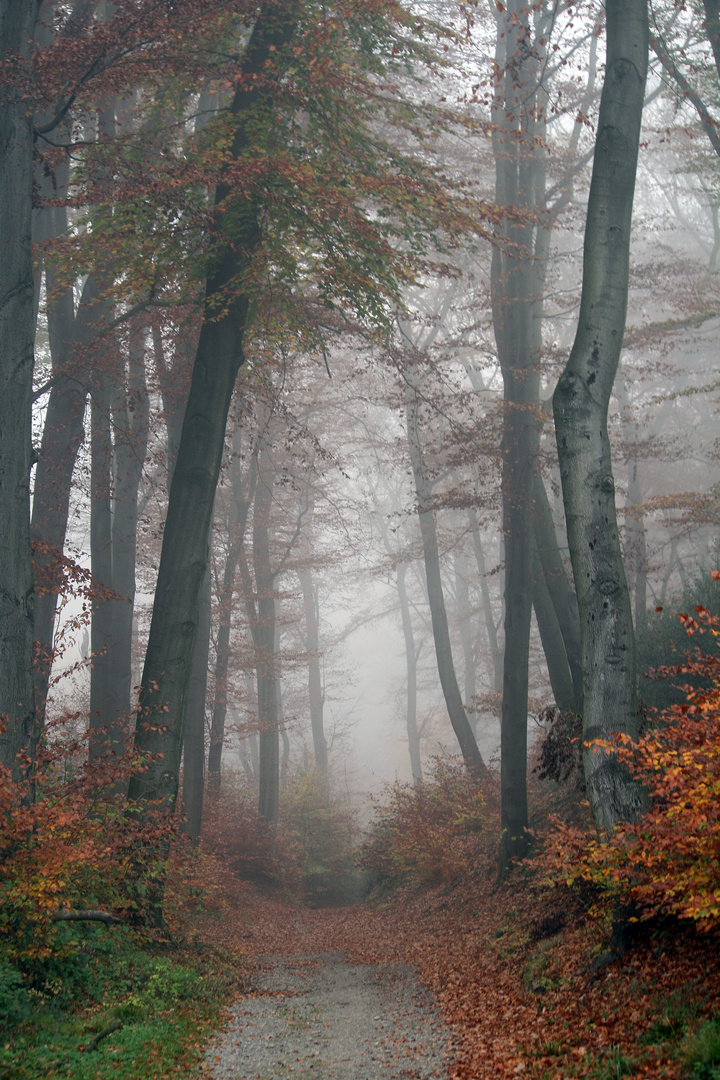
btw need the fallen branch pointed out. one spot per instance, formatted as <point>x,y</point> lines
<point>69,915</point>
<point>102,1035</point>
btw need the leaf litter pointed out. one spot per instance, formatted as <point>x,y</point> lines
<point>513,969</point>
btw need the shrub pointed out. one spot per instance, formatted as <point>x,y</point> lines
<point>309,854</point>
<point>323,834</point>
<point>427,833</point>
<point>13,995</point>
<point>669,862</point>
<point>75,847</point>
<point>662,643</point>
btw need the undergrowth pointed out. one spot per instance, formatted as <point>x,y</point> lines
<point>308,856</point>
<point>121,1006</point>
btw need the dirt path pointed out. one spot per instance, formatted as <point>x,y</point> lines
<point>322,1017</point>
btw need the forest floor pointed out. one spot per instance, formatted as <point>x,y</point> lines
<point>521,977</point>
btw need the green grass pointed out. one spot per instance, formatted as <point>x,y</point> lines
<point>677,1011</point>
<point>700,1051</point>
<point>161,1003</point>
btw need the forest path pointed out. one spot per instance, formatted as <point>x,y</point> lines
<point>322,1017</point>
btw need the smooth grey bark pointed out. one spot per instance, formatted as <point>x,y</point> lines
<point>438,614</point>
<point>467,637</point>
<point>193,791</point>
<point>264,639</point>
<point>490,628</point>
<point>561,593</point>
<point>241,503</point>
<point>63,434</point>
<point>411,658</point>
<point>635,539</point>
<point>259,600</point>
<point>515,289</point>
<point>159,730</point>
<point>580,406</point>
<point>131,426</point>
<point>103,700</point>
<point>552,641</point>
<point>284,737</point>
<point>312,648</point>
<point>17,331</point>
<point>637,542</point>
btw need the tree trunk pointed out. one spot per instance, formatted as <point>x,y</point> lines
<point>284,737</point>
<point>103,699</point>
<point>63,434</point>
<point>17,330</point>
<point>514,304</point>
<point>312,647</point>
<point>265,665</point>
<point>552,641</point>
<point>237,525</point>
<point>411,656</point>
<point>637,543</point>
<point>561,593</point>
<point>131,419</point>
<point>441,634</point>
<point>193,792</point>
<point>159,734</point>
<point>580,404</point>
<point>467,637</point>
<point>493,646</point>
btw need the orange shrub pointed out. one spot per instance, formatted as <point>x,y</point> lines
<point>669,862</point>
<point>72,848</point>
<point>430,832</point>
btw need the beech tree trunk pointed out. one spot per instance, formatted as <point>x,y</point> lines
<point>635,528</point>
<point>237,525</point>
<point>103,701</point>
<point>264,637</point>
<point>467,636</point>
<point>131,424</point>
<point>441,634</point>
<point>493,645</point>
<point>552,640</point>
<point>580,405</point>
<point>561,593</point>
<point>515,287</point>
<point>17,331</point>
<point>63,434</point>
<point>411,656</point>
<point>159,731</point>
<point>193,792</point>
<point>312,647</point>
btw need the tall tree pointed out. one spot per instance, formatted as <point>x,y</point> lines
<point>320,145</point>
<point>436,598</point>
<point>580,406</point>
<point>17,333</point>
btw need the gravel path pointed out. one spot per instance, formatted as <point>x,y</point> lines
<point>323,1018</point>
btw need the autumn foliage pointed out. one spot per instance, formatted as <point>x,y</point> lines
<point>73,848</point>
<point>431,832</point>
<point>669,862</point>
<point>308,855</point>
